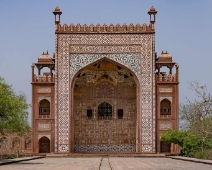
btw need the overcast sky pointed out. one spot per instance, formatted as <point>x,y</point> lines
<point>183,28</point>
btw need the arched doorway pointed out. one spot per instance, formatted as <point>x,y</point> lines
<point>104,108</point>
<point>44,145</point>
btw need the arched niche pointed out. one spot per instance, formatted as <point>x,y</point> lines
<point>165,107</point>
<point>28,142</point>
<point>44,145</point>
<point>16,143</point>
<point>3,143</point>
<point>110,87</point>
<point>44,108</point>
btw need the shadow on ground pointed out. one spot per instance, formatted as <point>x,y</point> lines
<point>29,163</point>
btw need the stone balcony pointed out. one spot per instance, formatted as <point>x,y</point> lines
<point>43,79</point>
<point>166,78</point>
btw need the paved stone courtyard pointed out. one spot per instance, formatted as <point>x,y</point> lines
<point>114,163</point>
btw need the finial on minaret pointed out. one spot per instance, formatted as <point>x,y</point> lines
<point>153,12</point>
<point>57,12</point>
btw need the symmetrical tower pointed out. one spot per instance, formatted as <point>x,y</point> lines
<point>43,105</point>
<point>166,99</point>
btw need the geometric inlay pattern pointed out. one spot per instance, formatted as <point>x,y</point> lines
<point>78,61</point>
<point>114,49</point>
<point>104,148</point>
<point>144,72</point>
<point>56,94</point>
<point>165,125</point>
<point>99,83</point>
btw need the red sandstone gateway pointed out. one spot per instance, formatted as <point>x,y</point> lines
<point>102,93</point>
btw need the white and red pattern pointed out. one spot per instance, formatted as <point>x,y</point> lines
<point>142,64</point>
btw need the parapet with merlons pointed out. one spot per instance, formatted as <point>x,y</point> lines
<point>105,29</point>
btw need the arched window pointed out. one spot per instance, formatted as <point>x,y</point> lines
<point>44,108</point>
<point>3,143</point>
<point>104,111</point>
<point>165,107</point>
<point>16,143</point>
<point>44,145</point>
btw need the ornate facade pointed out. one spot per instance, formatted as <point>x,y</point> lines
<point>105,91</point>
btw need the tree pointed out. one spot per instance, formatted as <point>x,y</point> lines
<point>197,115</point>
<point>187,141</point>
<point>13,111</point>
<point>196,121</point>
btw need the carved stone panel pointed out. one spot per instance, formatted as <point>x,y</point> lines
<point>141,64</point>
<point>165,125</point>
<point>44,90</point>
<point>165,90</point>
<point>44,126</point>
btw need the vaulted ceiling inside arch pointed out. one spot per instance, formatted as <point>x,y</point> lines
<point>104,82</point>
<point>107,71</point>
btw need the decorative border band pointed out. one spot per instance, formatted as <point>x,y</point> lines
<point>114,49</point>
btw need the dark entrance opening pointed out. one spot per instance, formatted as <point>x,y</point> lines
<point>165,147</point>
<point>44,145</point>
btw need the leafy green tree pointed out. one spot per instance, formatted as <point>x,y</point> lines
<point>187,141</point>
<point>13,111</point>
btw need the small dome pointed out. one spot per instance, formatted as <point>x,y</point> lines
<point>165,55</point>
<point>152,9</point>
<point>45,56</point>
<point>57,9</point>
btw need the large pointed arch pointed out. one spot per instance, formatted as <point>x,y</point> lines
<point>81,72</point>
